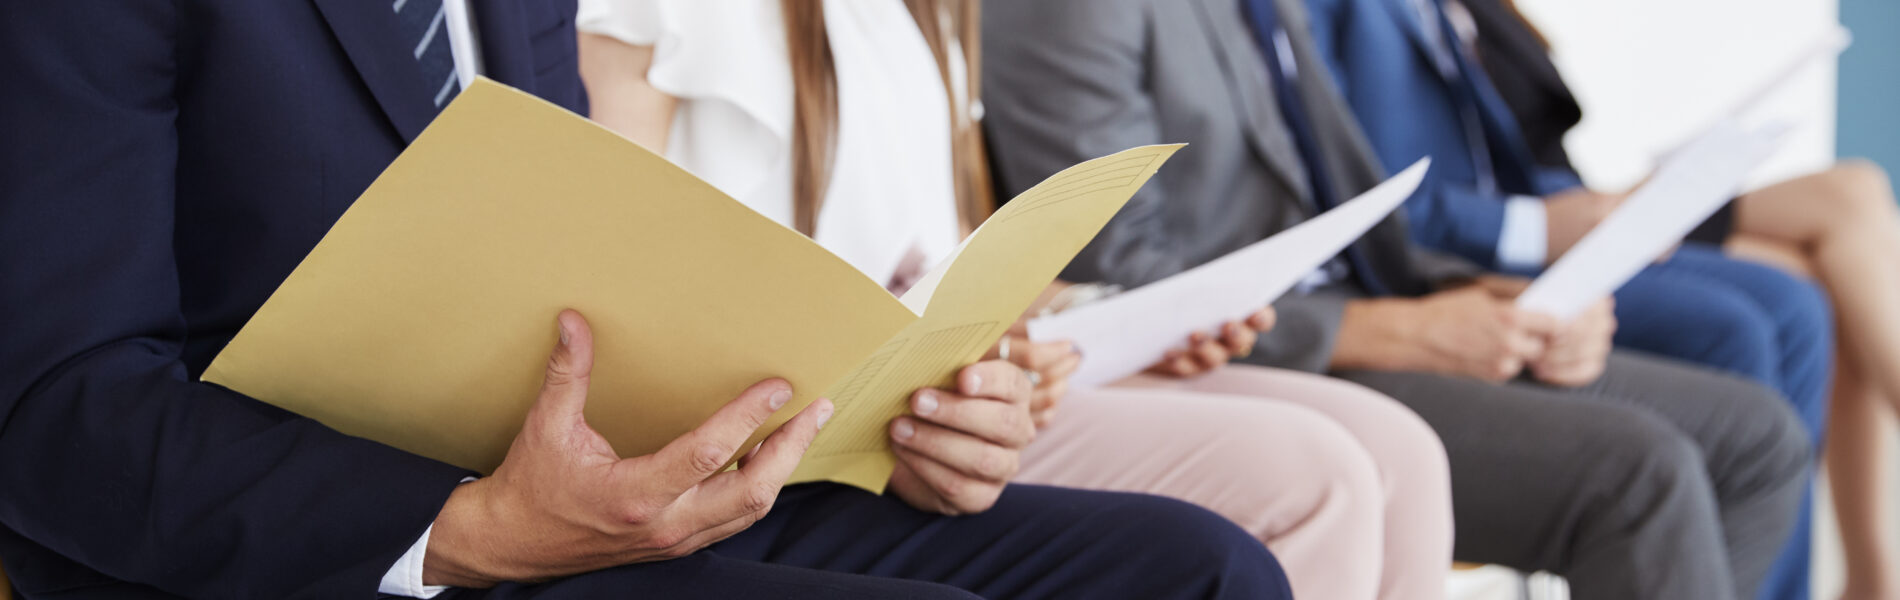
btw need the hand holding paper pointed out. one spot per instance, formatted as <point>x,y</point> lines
<point>422,319</point>
<point>1686,189</point>
<point>1126,333</point>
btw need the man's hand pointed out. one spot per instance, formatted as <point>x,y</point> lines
<point>1570,214</point>
<point>1575,352</point>
<point>1469,331</point>
<point>1051,362</point>
<point>958,450</point>
<point>1206,353</point>
<point>563,503</point>
<point>1504,287</point>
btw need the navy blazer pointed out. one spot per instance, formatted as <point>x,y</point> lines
<point>165,165</point>
<point>1383,62</point>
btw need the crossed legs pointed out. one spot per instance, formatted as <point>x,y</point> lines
<point>1841,227</point>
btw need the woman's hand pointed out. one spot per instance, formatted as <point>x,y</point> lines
<point>1205,353</point>
<point>960,447</point>
<point>1048,366</point>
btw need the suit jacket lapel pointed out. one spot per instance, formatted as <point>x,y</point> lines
<point>1350,161</point>
<point>1252,93</point>
<point>369,36</point>
<point>506,56</point>
<point>1414,26</point>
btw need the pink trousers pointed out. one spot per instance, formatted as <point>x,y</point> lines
<point>1350,490</point>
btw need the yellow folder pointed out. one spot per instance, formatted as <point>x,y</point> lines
<point>424,318</point>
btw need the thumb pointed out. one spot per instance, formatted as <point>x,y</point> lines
<point>564,390</point>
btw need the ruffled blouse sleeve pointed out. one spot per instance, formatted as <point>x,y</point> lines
<point>726,61</point>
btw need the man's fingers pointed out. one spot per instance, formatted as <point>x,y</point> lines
<point>752,488</point>
<point>1525,346</point>
<point>779,454</point>
<point>960,493</point>
<point>1263,319</point>
<point>564,388</point>
<point>699,541</point>
<point>972,456</point>
<point>994,379</point>
<point>687,461</point>
<point>998,422</point>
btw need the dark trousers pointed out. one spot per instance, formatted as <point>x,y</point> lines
<point>1751,320</point>
<point>825,541</point>
<point>1659,481</point>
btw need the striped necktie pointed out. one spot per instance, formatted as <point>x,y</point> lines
<point>423,25</point>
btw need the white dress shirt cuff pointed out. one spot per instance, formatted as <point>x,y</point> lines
<point>1523,241</point>
<point>405,578</point>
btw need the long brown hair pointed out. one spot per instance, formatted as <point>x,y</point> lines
<point>944,24</point>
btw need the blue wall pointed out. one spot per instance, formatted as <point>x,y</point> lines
<point>1870,83</point>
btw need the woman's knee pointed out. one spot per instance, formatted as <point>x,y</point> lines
<point>1321,468</point>
<point>1403,447</point>
<point>1858,190</point>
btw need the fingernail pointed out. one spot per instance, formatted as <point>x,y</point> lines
<point>903,430</point>
<point>926,403</point>
<point>779,398</point>
<point>976,383</point>
<point>824,414</point>
<point>561,326</point>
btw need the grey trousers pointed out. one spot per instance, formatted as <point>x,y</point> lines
<point>1661,480</point>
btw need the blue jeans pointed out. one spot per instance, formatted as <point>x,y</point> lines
<point>1753,320</point>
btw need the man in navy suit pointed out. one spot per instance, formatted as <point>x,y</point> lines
<point>167,164</point>
<point>1408,72</point>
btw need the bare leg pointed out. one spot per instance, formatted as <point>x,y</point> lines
<point>1841,227</point>
<point>1860,472</point>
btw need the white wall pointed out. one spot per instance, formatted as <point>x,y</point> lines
<point>1649,73</point>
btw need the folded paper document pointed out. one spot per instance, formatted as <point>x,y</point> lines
<point>425,317</point>
<point>1688,187</point>
<point>1126,333</point>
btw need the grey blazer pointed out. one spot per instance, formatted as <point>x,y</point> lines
<point>1069,80</point>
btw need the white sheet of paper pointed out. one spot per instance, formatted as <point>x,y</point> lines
<point>1685,190</point>
<point>1825,45</point>
<point>1126,333</point>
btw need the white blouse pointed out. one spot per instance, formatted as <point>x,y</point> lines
<point>890,192</point>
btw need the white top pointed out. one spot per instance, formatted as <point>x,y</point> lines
<point>891,189</point>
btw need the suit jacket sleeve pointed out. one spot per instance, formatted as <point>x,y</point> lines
<point>1551,180</point>
<point>1064,83</point>
<point>109,454</point>
<point>1458,219</point>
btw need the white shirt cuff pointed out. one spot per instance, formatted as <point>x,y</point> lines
<point>405,578</point>
<point>1523,243</point>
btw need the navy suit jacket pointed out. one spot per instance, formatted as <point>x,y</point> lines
<point>165,165</point>
<point>1384,64</point>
